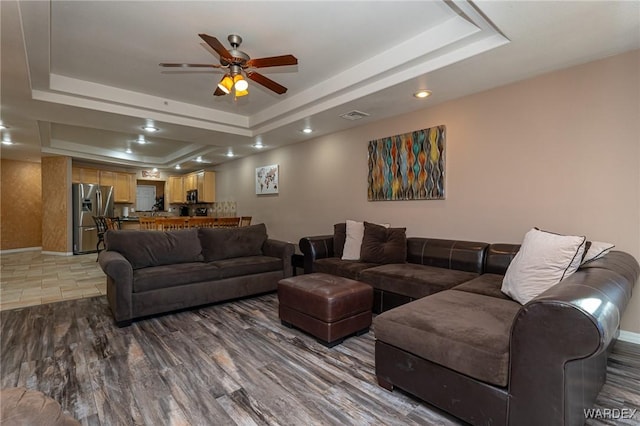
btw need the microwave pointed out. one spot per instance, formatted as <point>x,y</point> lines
<point>192,196</point>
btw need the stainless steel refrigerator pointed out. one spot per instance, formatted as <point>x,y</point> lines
<point>89,200</point>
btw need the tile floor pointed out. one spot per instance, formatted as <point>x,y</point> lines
<point>32,278</point>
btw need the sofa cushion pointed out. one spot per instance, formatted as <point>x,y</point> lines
<point>413,280</point>
<point>342,268</point>
<point>152,248</point>
<point>247,265</point>
<point>463,331</point>
<point>486,284</point>
<point>227,243</point>
<point>382,244</point>
<point>543,261</point>
<point>158,277</point>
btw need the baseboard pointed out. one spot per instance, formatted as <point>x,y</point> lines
<point>629,336</point>
<point>58,253</point>
<point>20,250</point>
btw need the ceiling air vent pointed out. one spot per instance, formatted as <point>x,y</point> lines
<point>354,115</point>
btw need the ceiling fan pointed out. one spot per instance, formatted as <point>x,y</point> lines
<point>236,62</point>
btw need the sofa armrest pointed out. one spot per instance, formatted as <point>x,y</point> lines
<point>313,248</point>
<point>560,339</point>
<point>283,250</point>
<point>119,285</point>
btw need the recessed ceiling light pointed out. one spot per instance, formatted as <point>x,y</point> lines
<point>149,127</point>
<point>307,130</point>
<point>199,159</point>
<point>230,154</point>
<point>128,151</point>
<point>178,167</point>
<point>422,94</point>
<point>258,145</point>
<point>141,140</point>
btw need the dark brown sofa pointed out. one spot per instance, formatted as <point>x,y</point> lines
<point>152,272</point>
<point>488,360</point>
<point>432,265</point>
<point>447,334</point>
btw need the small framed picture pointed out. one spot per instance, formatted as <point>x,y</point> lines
<point>267,179</point>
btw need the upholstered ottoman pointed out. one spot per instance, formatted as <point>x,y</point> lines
<point>19,406</point>
<point>328,307</point>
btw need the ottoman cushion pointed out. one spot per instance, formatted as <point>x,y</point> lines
<point>19,406</point>
<point>326,297</point>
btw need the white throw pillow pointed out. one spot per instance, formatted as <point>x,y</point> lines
<point>355,232</point>
<point>544,259</point>
<point>597,249</point>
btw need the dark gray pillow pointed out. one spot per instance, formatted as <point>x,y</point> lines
<point>339,237</point>
<point>227,243</point>
<point>383,245</point>
<point>155,248</point>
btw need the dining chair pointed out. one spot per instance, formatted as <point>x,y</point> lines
<point>148,223</point>
<point>228,222</point>
<point>201,222</point>
<point>101,228</point>
<point>171,223</point>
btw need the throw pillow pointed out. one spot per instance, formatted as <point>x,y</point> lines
<point>353,241</point>
<point>381,244</point>
<point>339,237</point>
<point>544,259</point>
<point>596,250</point>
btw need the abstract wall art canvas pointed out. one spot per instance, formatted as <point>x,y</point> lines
<point>408,166</point>
<point>267,179</point>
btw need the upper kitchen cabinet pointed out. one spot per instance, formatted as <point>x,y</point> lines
<point>177,192</point>
<point>190,182</point>
<point>124,190</point>
<point>206,186</point>
<point>124,184</point>
<point>85,175</point>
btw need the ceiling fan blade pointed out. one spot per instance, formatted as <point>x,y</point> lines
<point>190,65</point>
<point>217,46</point>
<point>218,92</point>
<point>273,61</point>
<point>266,82</point>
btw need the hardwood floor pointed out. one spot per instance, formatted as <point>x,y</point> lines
<point>232,363</point>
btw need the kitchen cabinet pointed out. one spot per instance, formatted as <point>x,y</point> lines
<point>124,184</point>
<point>124,188</point>
<point>206,186</point>
<point>190,182</point>
<point>107,178</point>
<point>177,192</point>
<point>85,175</point>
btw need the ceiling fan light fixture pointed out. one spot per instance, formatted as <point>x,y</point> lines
<point>226,84</point>
<point>240,93</point>
<point>240,84</point>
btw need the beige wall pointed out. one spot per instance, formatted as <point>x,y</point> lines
<point>20,205</point>
<point>56,204</point>
<point>560,151</point>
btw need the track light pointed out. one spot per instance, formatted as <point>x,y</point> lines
<point>226,84</point>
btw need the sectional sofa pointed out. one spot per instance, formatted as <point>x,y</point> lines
<point>153,272</point>
<point>448,334</point>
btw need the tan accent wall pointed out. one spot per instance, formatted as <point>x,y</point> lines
<point>56,204</point>
<point>560,151</point>
<point>20,205</point>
